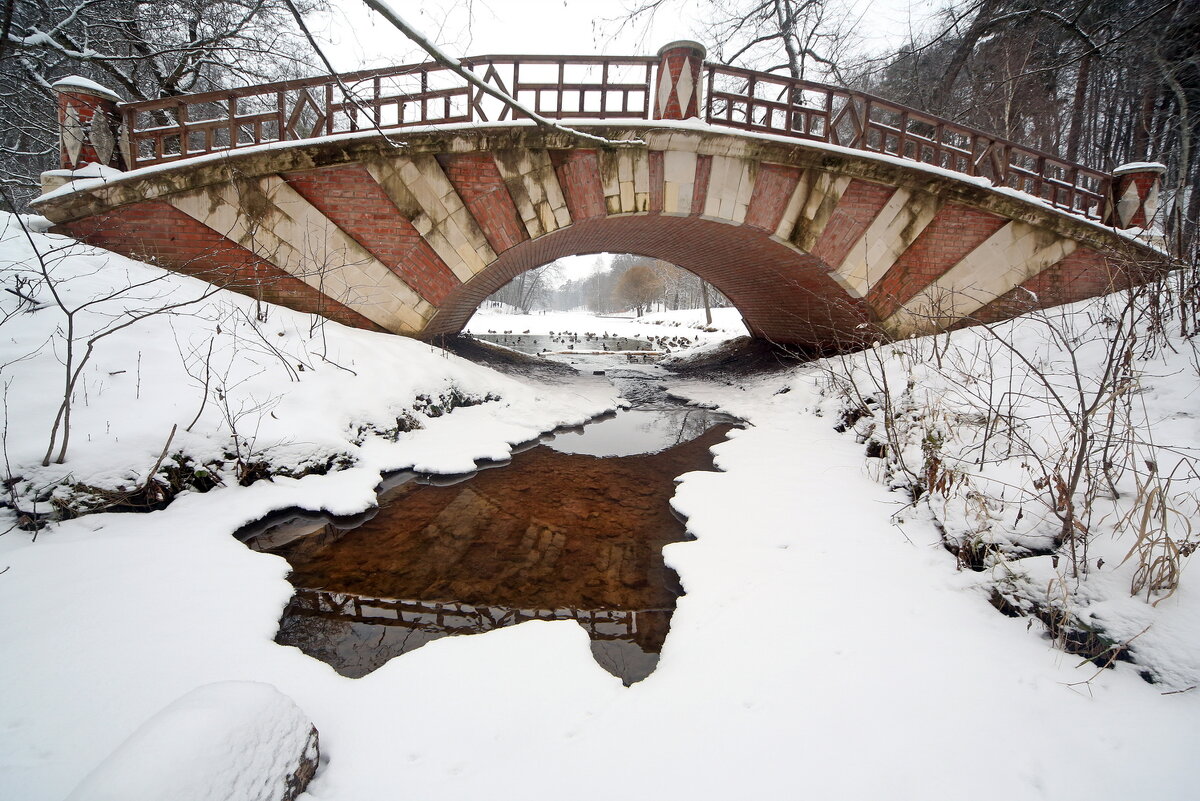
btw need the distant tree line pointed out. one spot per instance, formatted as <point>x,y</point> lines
<point>621,283</point>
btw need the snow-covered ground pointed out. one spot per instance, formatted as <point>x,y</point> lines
<point>826,647</point>
<point>690,323</point>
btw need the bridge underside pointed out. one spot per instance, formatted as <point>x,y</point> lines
<point>783,295</point>
<point>815,247</point>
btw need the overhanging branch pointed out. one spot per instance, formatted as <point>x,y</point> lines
<point>454,65</point>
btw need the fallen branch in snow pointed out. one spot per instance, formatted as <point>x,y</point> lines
<point>161,456</point>
<point>21,295</point>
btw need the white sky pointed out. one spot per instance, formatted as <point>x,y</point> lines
<point>570,27</point>
<point>358,38</point>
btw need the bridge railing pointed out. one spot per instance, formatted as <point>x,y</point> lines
<point>566,88</point>
<point>560,87</point>
<point>766,103</point>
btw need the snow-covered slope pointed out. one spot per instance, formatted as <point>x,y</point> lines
<point>251,388</point>
<point>821,649</point>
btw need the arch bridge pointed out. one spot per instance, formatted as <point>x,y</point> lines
<point>398,199</point>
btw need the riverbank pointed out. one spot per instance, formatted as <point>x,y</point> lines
<point>826,644</point>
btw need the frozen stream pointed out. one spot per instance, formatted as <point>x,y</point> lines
<point>571,528</point>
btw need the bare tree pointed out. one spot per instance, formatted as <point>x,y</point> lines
<point>638,287</point>
<point>142,49</point>
<point>805,38</point>
<point>530,289</point>
<point>1099,81</point>
<point>127,304</point>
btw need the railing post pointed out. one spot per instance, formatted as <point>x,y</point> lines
<point>677,96</point>
<point>88,123</point>
<point>1135,189</point>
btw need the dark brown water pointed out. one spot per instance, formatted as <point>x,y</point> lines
<point>550,535</point>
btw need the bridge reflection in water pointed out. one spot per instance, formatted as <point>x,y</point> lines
<point>551,536</point>
<point>357,635</point>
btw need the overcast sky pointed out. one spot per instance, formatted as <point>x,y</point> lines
<point>568,27</point>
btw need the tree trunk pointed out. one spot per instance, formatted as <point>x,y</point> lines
<point>1141,127</point>
<point>966,47</point>
<point>1077,108</point>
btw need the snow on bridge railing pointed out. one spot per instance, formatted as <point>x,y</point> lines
<point>766,103</point>
<point>677,84</point>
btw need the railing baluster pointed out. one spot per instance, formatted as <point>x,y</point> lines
<point>281,114</point>
<point>604,91</point>
<point>328,109</point>
<point>516,88</point>
<point>751,86</point>
<point>560,98</point>
<point>805,106</point>
<point>827,120</point>
<point>181,114</point>
<point>233,137</point>
<point>708,100</point>
<point>866,126</point>
<point>424,99</point>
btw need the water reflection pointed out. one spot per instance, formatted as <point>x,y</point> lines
<point>553,535</point>
<point>358,635</point>
<point>632,431</point>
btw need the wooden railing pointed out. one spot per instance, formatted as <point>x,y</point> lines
<point>765,103</point>
<point>460,618</point>
<point>560,87</point>
<point>593,88</point>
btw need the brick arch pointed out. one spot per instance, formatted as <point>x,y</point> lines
<point>815,247</point>
<point>783,294</point>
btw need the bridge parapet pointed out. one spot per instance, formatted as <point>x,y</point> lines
<point>593,88</point>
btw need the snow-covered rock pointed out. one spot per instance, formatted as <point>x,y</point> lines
<point>240,740</point>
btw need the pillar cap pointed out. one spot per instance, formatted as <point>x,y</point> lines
<point>688,43</point>
<point>84,86</point>
<point>1140,166</point>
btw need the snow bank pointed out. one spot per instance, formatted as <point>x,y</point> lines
<point>976,432</point>
<point>726,323</point>
<point>826,647</point>
<point>245,385</point>
<point>229,740</point>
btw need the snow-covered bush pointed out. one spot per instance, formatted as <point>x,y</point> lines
<point>1046,449</point>
<point>124,385</point>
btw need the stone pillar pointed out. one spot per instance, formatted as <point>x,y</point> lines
<point>1135,194</point>
<point>88,124</point>
<point>679,85</point>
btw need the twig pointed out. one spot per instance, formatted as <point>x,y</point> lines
<point>161,456</point>
<point>207,378</point>
<point>22,295</point>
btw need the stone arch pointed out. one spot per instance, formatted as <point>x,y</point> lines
<point>778,290</point>
<point>815,246</point>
